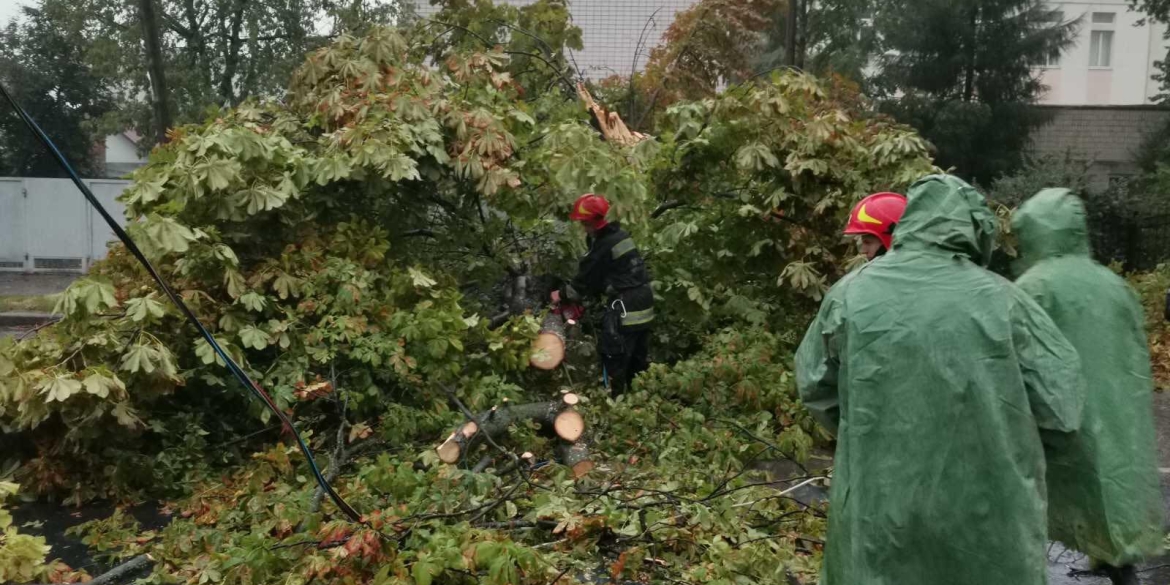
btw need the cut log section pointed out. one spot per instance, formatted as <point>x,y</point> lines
<point>557,417</point>
<point>575,456</point>
<point>548,350</point>
<point>569,425</point>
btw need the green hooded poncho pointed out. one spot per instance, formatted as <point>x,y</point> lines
<point>936,376</point>
<point>1103,491</point>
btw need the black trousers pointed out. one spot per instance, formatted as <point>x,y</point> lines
<point>624,354</point>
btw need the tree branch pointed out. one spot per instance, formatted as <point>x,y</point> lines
<point>339,454</point>
<point>666,206</point>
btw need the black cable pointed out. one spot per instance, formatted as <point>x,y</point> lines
<point>133,248</point>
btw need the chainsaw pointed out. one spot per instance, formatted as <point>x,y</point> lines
<point>570,312</point>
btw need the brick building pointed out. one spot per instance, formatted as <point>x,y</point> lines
<point>618,34</point>
<point>1100,88</point>
<point>1108,136</point>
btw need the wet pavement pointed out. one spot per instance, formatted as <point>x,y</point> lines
<point>21,284</point>
<point>1065,567</point>
<point>24,285</point>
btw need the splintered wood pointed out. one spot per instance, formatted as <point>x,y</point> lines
<point>557,417</point>
<point>613,129</point>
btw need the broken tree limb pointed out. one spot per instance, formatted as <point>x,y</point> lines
<point>613,129</point>
<point>519,301</point>
<point>666,206</point>
<point>499,319</point>
<point>548,349</point>
<point>557,417</point>
<point>124,573</point>
<point>483,464</point>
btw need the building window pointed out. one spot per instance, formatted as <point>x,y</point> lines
<point>1054,18</point>
<point>1116,181</point>
<point>1101,48</point>
<point>1103,17</point>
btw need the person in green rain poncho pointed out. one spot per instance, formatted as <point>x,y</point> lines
<point>936,376</point>
<point>1103,492</point>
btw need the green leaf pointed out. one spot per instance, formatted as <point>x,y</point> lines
<point>254,337</point>
<point>147,191</point>
<point>401,167</point>
<point>222,252</point>
<point>253,301</point>
<point>261,198</point>
<point>86,293</point>
<point>755,156</point>
<point>60,388</point>
<point>218,173</point>
<point>234,281</point>
<point>168,235</point>
<point>140,358</point>
<point>100,385</point>
<point>424,571</point>
<point>140,308</point>
<point>207,355</point>
<point>420,279</point>
<point>521,117</point>
<point>98,296</point>
<point>126,415</point>
<point>286,285</point>
<point>332,169</point>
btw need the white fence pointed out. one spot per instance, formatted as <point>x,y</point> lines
<point>46,225</point>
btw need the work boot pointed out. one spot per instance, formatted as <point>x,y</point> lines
<point>1126,575</point>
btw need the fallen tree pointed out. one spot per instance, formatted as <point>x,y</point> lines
<point>364,226</point>
<point>557,418</point>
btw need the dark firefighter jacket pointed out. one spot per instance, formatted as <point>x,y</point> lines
<point>613,268</point>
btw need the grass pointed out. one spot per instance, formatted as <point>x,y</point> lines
<point>32,304</point>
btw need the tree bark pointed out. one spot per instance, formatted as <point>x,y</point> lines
<point>790,33</point>
<point>576,457</point>
<point>156,69</point>
<point>802,9</point>
<point>972,48</point>
<point>231,57</point>
<point>557,417</point>
<point>199,59</point>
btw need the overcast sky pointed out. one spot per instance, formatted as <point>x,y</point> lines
<point>10,8</point>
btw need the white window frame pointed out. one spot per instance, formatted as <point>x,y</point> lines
<point>1102,30</point>
<point>1095,55</point>
<point>1052,62</point>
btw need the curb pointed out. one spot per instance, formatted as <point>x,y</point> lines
<point>26,319</point>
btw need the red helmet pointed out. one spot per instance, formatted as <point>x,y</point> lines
<point>590,208</point>
<point>877,215</point>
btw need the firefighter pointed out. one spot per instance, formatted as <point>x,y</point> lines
<point>874,219</point>
<point>936,377</point>
<point>613,269</point>
<point>1104,497</point>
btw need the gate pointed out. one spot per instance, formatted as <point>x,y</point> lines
<point>46,225</point>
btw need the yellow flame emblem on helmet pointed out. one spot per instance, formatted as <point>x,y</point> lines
<point>864,217</point>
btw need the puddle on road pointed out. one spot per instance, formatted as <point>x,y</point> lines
<point>1062,562</point>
